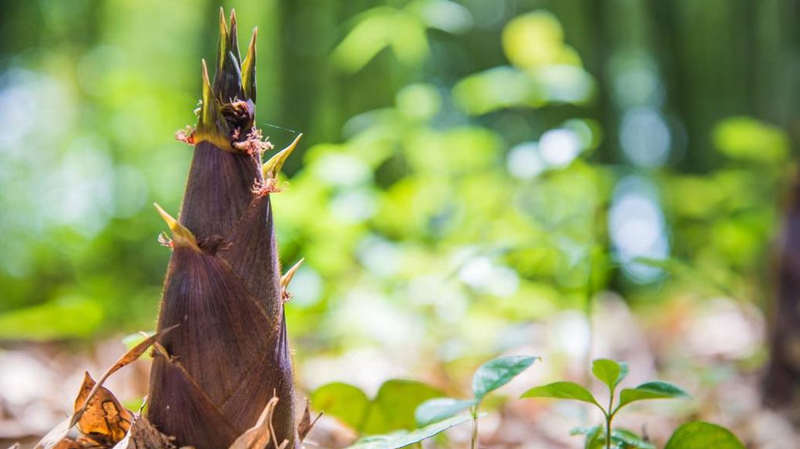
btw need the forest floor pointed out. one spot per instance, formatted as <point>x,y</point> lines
<point>714,349</point>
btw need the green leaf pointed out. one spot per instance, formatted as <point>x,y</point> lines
<point>498,372</point>
<point>621,438</point>
<point>402,439</point>
<point>609,372</point>
<point>703,435</point>
<point>394,405</point>
<point>344,402</point>
<point>391,409</point>
<point>627,439</point>
<point>650,390</point>
<point>562,390</point>
<point>437,409</point>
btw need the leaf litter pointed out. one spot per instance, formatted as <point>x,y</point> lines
<point>100,421</point>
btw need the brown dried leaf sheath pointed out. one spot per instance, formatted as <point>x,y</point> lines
<point>105,420</point>
<point>230,352</point>
<point>97,410</point>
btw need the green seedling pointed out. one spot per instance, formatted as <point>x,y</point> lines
<point>692,435</point>
<point>610,373</point>
<point>387,420</point>
<point>489,377</point>
<point>390,410</point>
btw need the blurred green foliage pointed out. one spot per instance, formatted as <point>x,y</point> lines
<point>392,408</point>
<point>467,165</point>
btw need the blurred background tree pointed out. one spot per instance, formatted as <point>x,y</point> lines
<point>469,168</point>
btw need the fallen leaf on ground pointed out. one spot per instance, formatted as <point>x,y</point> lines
<point>105,420</point>
<point>57,437</point>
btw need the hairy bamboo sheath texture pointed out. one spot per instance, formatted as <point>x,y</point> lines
<point>229,355</point>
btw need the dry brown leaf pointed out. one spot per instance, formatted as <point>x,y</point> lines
<point>132,355</point>
<point>260,434</point>
<point>80,443</point>
<point>306,424</point>
<point>60,431</point>
<point>104,420</point>
<point>67,443</point>
<point>135,352</point>
<point>85,442</point>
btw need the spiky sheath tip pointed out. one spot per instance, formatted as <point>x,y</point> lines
<point>227,109</point>
<point>223,283</point>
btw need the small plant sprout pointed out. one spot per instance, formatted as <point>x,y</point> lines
<point>611,373</point>
<point>385,421</point>
<point>488,377</point>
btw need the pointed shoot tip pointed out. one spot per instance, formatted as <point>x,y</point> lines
<point>172,223</point>
<point>222,25</point>
<point>287,278</point>
<point>233,36</point>
<point>273,166</point>
<point>180,234</point>
<point>249,68</point>
<point>222,49</point>
<point>251,47</point>
<point>233,17</point>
